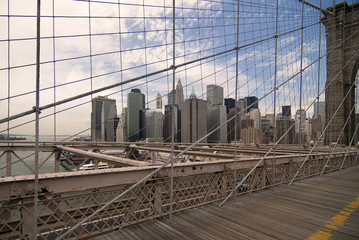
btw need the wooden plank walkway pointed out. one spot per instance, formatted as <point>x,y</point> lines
<point>326,207</point>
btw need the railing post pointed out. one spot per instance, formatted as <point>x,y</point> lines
<point>57,160</point>
<point>8,163</point>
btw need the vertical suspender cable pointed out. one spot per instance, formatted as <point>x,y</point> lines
<point>319,62</point>
<point>145,48</point>
<point>90,42</point>
<point>54,63</point>
<point>121,65</point>
<point>174,96</point>
<point>275,88</point>
<point>236,99</point>
<point>8,68</point>
<point>301,85</point>
<point>36,183</point>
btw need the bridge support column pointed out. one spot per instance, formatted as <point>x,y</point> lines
<point>342,66</point>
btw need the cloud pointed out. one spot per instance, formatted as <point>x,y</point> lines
<point>120,50</point>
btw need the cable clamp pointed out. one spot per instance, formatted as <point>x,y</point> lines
<point>37,110</point>
<point>173,67</point>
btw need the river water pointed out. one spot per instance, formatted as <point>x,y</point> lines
<point>18,168</point>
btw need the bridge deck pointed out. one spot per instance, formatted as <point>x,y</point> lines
<point>327,206</point>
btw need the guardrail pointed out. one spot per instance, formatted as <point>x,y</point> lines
<point>67,198</point>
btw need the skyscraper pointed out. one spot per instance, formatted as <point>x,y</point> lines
<point>158,101</point>
<point>154,124</point>
<point>103,119</point>
<point>216,116</point>
<point>193,119</point>
<point>234,125</point>
<point>230,103</point>
<point>179,93</point>
<point>286,111</point>
<point>122,127</point>
<point>214,95</point>
<point>167,128</point>
<point>282,127</point>
<point>251,102</point>
<point>255,114</point>
<point>171,97</point>
<point>135,115</point>
<point>301,113</point>
<point>318,109</point>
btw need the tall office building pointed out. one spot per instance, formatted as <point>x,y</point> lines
<point>179,93</point>
<point>230,103</point>
<point>167,125</point>
<point>154,124</point>
<point>158,101</point>
<point>282,126</point>
<point>170,97</point>
<point>122,127</point>
<point>214,95</point>
<point>271,118</point>
<point>251,135</point>
<point>135,115</point>
<point>216,116</point>
<point>251,103</point>
<point>286,111</point>
<point>193,119</point>
<point>267,130</point>
<point>233,132</point>
<point>103,119</point>
<point>255,114</point>
<point>176,95</point>
<point>319,109</point>
<point>300,117</point>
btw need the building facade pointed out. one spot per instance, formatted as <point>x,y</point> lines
<point>193,119</point>
<point>135,115</point>
<point>284,127</point>
<point>216,116</point>
<point>251,103</point>
<point>103,119</point>
<point>154,124</point>
<point>167,125</point>
<point>158,101</point>
<point>286,111</point>
<point>121,135</point>
<point>214,95</point>
<point>300,118</point>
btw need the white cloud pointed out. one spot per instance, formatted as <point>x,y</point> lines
<point>128,32</point>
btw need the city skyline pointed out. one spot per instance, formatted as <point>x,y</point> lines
<point>197,117</point>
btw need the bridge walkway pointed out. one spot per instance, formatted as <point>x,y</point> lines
<point>324,207</point>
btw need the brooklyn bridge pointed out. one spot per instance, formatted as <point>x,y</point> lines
<point>258,139</point>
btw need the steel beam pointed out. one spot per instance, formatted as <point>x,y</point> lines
<point>19,186</point>
<point>104,157</point>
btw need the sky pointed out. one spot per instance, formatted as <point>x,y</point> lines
<point>86,46</point>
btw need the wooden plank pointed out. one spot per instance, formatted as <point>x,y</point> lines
<point>281,212</point>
